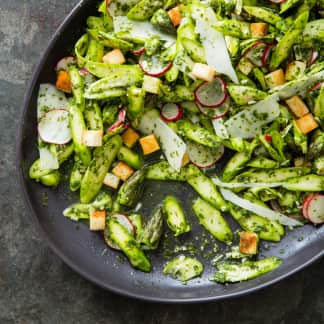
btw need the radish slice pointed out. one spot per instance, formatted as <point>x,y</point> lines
<point>125,222</point>
<point>257,209</point>
<point>54,127</point>
<point>153,66</point>
<point>257,53</point>
<point>202,156</point>
<point>312,58</point>
<point>305,205</point>
<point>215,113</point>
<point>211,94</point>
<point>139,51</point>
<point>50,98</point>
<point>315,209</point>
<point>64,63</point>
<point>277,1</point>
<point>266,54</point>
<point>171,112</point>
<point>119,122</point>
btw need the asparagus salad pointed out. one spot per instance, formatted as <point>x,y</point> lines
<point>159,90</point>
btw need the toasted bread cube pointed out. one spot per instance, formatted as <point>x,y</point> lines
<point>294,70</point>
<point>114,57</point>
<point>149,144</point>
<point>151,84</point>
<point>203,72</point>
<point>111,180</point>
<point>175,15</point>
<point>63,82</point>
<point>275,78</point>
<point>307,123</point>
<point>122,171</point>
<point>130,137</point>
<point>245,66</point>
<point>297,106</point>
<point>92,138</point>
<point>185,159</point>
<point>97,220</point>
<point>249,243</point>
<point>259,29</point>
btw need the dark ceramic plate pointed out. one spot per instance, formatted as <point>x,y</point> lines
<point>86,252</point>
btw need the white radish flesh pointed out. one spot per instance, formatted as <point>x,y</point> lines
<point>315,209</point>
<point>54,127</point>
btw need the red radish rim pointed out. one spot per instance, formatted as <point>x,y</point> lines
<point>212,163</point>
<point>313,196</point>
<point>266,54</point>
<point>176,117</point>
<point>277,1</point>
<point>139,51</point>
<point>265,51</point>
<point>316,86</point>
<point>133,229</point>
<point>65,58</point>
<point>224,86</point>
<point>84,71</point>
<point>39,133</point>
<point>313,57</point>
<point>209,165</point>
<point>306,202</point>
<point>219,116</point>
<point>156,74</point>
<point>107,6</point>
<point>120,121</point>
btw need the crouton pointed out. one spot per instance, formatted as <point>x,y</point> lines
<point>297,106</point>
<point>97,220</point>
<point>130,137</point>
<point>111,180</point>
<point>249,243</point>
<point>307,123</point>
<point>175,15</point>
<point>203,72</point>
<point>114,57</point>
<point>63,82</point>
<point>275,78</point>
<point>149,144</point>
<point>151,84</point>
<point>122,171</point>
<point>92,138</point>
<point>259,29</point>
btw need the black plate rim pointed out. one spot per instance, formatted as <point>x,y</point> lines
<point>59,252</point>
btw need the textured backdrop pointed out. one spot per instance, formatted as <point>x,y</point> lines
<point>35,286</point>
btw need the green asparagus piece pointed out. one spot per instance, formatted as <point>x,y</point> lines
<point>212,220</point>
<point>128,245</point>
<point>205,188</point>
<point>263,14</point>
<point>276,175</point>
<point>152,230</point>
<point>286,43</point>
<point>175,216</point>
<point>78,126</point>
<point>77,87</point>
<point>308,183</point>
<point>80,49</point>
<point>197,134</point>
<point>129,192</point>
<point>137,221</point>
<point>103,157</point>
<point>162,21</point>
<point>163,171</point>
<point>243,95</point>
<point>183,268</point>
<point>248,270</point>
<point>263,163</point>
<point>51,179</point>
<point>93,116</point>
<point>144,9</point>
<point>136,99</point>
<point>130,157</point>
<point>95,51</point>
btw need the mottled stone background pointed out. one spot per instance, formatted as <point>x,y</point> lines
<point>35,286</point>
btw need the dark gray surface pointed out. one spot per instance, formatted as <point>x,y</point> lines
<point>35,286</point>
